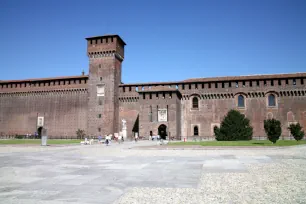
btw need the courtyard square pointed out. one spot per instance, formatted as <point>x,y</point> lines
<point>138,173</point>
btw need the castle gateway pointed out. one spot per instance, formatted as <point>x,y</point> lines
<point>99,102</point>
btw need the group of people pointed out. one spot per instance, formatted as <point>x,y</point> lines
<point>110,137</point>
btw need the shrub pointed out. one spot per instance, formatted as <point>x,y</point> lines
<point>80,134</point>
<point>235,126</point>
<point>19,136</point>
<point>273,129</point>
<point>296,131</point>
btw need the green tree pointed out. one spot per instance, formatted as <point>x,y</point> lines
<point>273,129</point>
<point>296,131</point>
<point>235,126</point>
<point>80,134</point>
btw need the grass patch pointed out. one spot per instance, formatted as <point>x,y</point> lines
<point>38,141</point>
<point>242,143</point>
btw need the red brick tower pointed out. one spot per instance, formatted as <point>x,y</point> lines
<point>105,54</point>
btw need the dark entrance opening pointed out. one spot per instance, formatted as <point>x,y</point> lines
<point>39,131</point>
<point>151,133</point>
<point>162,131</point>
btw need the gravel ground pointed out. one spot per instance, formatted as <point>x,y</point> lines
<point>139,175</point>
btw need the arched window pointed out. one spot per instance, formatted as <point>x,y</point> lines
<point>195,102</point>
<point>271,100</point>
<point>195,131</point>
<point>241,101</point>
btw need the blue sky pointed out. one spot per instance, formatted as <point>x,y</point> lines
<point>166,40</point>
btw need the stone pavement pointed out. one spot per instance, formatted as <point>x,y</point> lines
<point>125,174</point>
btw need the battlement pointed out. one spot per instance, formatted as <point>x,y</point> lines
<point>106,45</point>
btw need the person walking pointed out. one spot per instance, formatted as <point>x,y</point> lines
<point>136,137</point>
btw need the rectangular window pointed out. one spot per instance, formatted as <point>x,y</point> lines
<point>196,86</point>
<point>99,115</point>
<point>237,84</point>
<point>222,84</point>
<point>183,86</point>
<point>230,84</point>
<point>287,81</point>
<point>302,81</point>
<point>251,83</point>
<point>272,82</point>
<point>279,82</point>
<point>144,96</point>
<point>130,88</point>
<point>100,101</point>
<point>243,83</point>
<point>202,85</point>
<point>150,95</point>
<point>257,83</point>
<point>99,129</point>
<point>265,82</point>
<point>123,88</point>
<point>294,82</point>
<point>189,86</point>
<point>216,85</point>
<point>209,85</point>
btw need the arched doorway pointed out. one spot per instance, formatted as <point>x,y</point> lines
<point>162,131</point>
<point>39,132</point>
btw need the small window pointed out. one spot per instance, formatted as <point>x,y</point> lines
<point>209,85</point>
<point>195,131</point>
<point>195,102</point>
<point>271,100</point>
<point>99,129</point>
<point>183,86</point>
<point>243,83</point>
<point>189,86</point>
<point>144,96</point>
<point>130,88</point>
<point>156,95</point>
<point>196,86</point>
<point>279,82</point>
<point>287,81</point>
<point>302,81</point>
<point>163,95</point>
<point>265,82</point>
<point>222,84</point>
<point>123,89</point>
<point>216,85</point>
<point>294,82</point>
<point>150,95</point>
<point>241,101</point>
<point>272,82</point>
<point>251,83</point>
<point>230,84</point>
<point>99,115</point>
<point>237,84</point>
<point>100,78</point>
<point>257,83</point>
<point>202,85</point>
<point>99,65</point>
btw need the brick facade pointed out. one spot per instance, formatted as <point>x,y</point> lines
<point>98,102</point>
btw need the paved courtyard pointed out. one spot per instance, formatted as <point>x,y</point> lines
<point>128,173</point>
